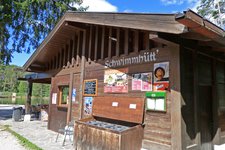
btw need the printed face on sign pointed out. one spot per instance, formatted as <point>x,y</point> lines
<point>161,76</point>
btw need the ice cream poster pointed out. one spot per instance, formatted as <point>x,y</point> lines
<point>116,81</point>
<point>161,76</point>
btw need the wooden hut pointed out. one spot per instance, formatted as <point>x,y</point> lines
<point>179,57</point>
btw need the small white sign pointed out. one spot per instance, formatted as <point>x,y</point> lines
<point>150,103</point>
<point>115,104</point>
<point>159,105</point>
<point>54,98</point>
<point>132,106</point>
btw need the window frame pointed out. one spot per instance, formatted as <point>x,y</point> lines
<point>60,93</point>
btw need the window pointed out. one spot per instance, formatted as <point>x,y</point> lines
<point>63,95</point>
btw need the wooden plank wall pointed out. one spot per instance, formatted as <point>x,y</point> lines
<point>157,124</point>
<point>57,115</point>
<point>101,43</point>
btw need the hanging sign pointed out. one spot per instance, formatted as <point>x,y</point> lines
<point>90,87</point>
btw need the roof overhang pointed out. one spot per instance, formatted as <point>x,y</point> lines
<point>80,20</point>
<point>187,24</point>
<point>37,78</point>
<point>202,29</point>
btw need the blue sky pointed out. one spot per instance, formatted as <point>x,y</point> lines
<point>142,6</point>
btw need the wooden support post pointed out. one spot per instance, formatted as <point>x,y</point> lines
<point>90,40</point>
<point>146,40</point>
<point>78,46</point>
<point>60,58</point>
<point>69,111</point>
<point>73,51</point>
<point>118,42</point>
<point>29,94</point>
<point>126,42</point>
<point>83,60</point>
<point>103,40</point>
<point>136,41</point>
<point>68,55</point>
<point>110,43</point>
<point>96,43</point>
<point>64,57</point>
<point>57,61</point>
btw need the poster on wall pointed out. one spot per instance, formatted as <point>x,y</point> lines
<point>74,93</point>
<point>161,76</point>
<point>146,79</point>
<point>54,98</point>
<point>116,81</point>
<point>136,81</point>
<point>142,81</point>
<point>88,105</point>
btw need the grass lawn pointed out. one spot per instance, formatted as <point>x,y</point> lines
<point>23,141</point>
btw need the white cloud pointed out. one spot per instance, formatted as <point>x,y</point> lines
<point>172,2</point>
<point>128,10</point>
<point>99,6</point>
<point>178,2</point>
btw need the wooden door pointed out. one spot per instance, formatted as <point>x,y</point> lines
<point>205,115</point>
<point>76,97</point>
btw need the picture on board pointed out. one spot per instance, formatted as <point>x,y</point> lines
<point>116,81</point>
<point>88,105</point>
<point>161,76</point>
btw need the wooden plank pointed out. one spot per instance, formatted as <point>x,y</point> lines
<point>96,43</point>
<point>102,107</point>
<point>136,41</point>
<point>146,40</point>
<point>110,43</point>
<point>57,61</point>
<point>69,110</point>
<point>82,74</point>
<point>90,41</point>
<point>73,50</point>
<point>64,57</point>
<point>176,118</point>
<point>102,42</point>
<point>68,56</point>
<point>150,22</point>
<point>126,42</point>
<point>78,46</point>
<point>60,58</point>
<point>118,42</point>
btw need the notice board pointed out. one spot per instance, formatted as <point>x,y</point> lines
<point>90,87</point>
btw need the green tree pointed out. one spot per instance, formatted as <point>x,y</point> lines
<point>22,87</point>
<point>214,10</point>
<point>24,23</point>
<point>9,75</point>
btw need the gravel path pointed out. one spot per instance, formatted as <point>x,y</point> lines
<point>9,142</point>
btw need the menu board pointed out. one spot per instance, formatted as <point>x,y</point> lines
<point>90,87</point>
